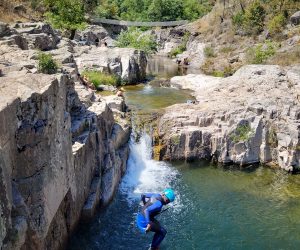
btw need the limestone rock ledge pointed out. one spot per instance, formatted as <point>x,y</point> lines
<point>62,153</point>
<point>251,117</point>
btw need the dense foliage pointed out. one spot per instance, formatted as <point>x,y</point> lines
<point>135,38</point>
<point>153,10</point>
<point>255,15</point>
<point>260,53</point>
<point>46,64</point>
<point>66,14</point>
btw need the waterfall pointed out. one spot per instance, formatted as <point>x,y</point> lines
<point>144,174</point>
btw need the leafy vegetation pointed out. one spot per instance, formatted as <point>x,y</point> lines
<point>276,24</point>
<point>181,48</point>
<point>101,78</point>
<point>66,14</point>
<point>242,133</point>
<point>46,64</point>
<point>251,20</point>
<point>261,52</point>
<point>209,51</point>
<point>135,38</point>
<point>153,10</point>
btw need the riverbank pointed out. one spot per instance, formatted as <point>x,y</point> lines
<point>251,117</point>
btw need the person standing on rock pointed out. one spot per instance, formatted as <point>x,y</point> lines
<point>152,207</point>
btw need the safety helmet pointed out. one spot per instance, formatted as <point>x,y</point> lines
<point>169,193</point>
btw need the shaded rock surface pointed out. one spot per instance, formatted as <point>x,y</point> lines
<point>62,152</point>
<point>248,118</point>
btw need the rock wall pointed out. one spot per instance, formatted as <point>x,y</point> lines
<point>251,117</point>
<point>61,151</point>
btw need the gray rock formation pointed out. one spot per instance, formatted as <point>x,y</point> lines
<point>248,118</point>
<point>295,18</point>
<point>129,64</point>
<point>62,153</point>
<point>93,35</point>
<point>169,39</point>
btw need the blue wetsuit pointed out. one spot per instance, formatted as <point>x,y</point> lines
<point>151,208</point>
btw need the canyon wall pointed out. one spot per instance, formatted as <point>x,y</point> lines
<point>62,153</point>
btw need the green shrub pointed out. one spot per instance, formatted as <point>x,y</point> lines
<point>238,19</point>
<point>46,64</point>
<point>135,38</point>
<point>193,10</point>
<point>101,78</point>
<point>217,73</point>
<point>242,133</point>
<point>209,51</point>
<point>254,18</point>
<point>261,52</point>
<point>276,24</point>
<point>180,48</point>
<point>66,14</point>
<point>107,10</point>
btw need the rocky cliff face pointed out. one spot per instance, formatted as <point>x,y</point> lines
<point>61,150</point>
<point>248,118</point>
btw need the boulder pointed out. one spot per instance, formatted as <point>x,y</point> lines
<point>129,64</point>
<point>4,29</point>
<point>92,35</point>
<point>295,18</point>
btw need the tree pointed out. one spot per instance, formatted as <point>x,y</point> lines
<point>66,14</point>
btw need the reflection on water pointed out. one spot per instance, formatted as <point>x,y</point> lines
<point>217,209</point>
<point>165,67</point>
<point>148,98</point>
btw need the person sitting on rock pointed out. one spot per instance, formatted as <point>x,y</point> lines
<point>186,61</point>
<point>120,92</point>
<point>85,81</point>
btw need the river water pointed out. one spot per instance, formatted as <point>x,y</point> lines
<point>215,208</point>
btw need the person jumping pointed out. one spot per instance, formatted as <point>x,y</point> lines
<point>152,207</point>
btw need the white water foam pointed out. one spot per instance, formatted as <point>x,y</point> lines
<point>144,174</point>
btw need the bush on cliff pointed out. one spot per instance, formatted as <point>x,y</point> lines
<point>101,78</point>
<point>181,47</point>
<point>134,38</point>
<point>276,24</point>
<point>251,20</point>
<point>46,64</point>
<point>260,53</point>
